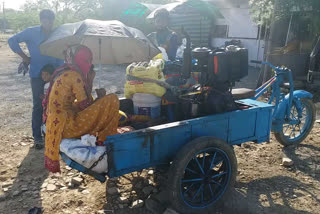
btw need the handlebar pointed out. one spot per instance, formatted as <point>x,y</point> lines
<point>256,62</point>
<point>265,63</point>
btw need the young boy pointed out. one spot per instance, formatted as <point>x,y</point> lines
<point>46,73</point>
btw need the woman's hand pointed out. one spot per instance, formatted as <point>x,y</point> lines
<point>90,78</point>
<point>101,92</point>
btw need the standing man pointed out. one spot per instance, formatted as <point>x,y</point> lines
<point>33,37</point>
<point>164,37</point>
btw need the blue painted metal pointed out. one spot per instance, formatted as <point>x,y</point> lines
<point>158,145</point>
<point>280,114</point>
<point>205,183</point>
<point>283,104</point>
<point>300,114</point>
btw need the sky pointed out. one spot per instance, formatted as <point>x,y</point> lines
<point>14,4</point>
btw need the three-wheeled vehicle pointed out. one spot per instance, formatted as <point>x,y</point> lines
<point>199,149</point>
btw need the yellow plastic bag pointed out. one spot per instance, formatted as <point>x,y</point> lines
<point>133,87</point>
<point>151,70</point>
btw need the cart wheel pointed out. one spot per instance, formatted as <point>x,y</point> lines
<point>296,133</point>
<point>201,175</point>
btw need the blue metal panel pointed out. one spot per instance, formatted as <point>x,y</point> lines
<point>211,126</point>
<point>168,142</point>
<point>145,148</point>
<point>242,125</point>
<point>158,145</point>
<point>263,125</point>
<point>131,150</point>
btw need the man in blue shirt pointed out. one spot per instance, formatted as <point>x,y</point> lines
<point>33,37</point>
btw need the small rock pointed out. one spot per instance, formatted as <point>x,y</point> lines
<point>76,181</point>
<point>52,182</point>
<point>44,185</point>
<point>287,162</point>
<point>137,204</point>
<point>85,192</point>
<point>5,189</point>
<point>112,190</point>
<point>70,173</point>
<point>100,212</point>
<point>60,184</point>
<point>68,168</point>
<point>16,193</point>
<point>70,185</point>
<point>81,188</point>
<point>24,189</point>
<point>246,145</point>
<point>147,190</point>
<point>63,188</point>
<point>51,187</point>
<point>150,172</point>
<point>123,200</point>
<point>7,185</point>
<point>23,144</point>
<point>150,182</point>
<point>295,196</point>
<point>67,180</point>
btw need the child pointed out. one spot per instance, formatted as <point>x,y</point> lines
<point>46,73</point>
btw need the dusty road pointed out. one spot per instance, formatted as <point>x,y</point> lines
<point>263,185</point>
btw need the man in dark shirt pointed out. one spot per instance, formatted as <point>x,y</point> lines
<point>33,37</point>
<point>164,37</point>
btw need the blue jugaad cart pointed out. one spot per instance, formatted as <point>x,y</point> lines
<point>203,165</point>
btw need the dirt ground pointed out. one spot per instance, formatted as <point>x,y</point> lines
<point>263,184</point>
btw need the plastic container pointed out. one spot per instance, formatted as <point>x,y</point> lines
<point>146,104</point>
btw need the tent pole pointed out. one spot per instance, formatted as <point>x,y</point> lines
<point>100,65</point>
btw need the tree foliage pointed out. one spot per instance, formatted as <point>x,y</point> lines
<point>66,11</point>
<point>262,11</point>
<point>70,10</point>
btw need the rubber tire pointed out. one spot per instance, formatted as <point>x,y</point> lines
<point>182,159</point>
<point>282,139</point>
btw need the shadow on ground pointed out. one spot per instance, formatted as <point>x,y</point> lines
<point>27,184</point>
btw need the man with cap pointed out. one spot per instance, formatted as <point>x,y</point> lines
<point>33,37</point>
<point>164,37</point>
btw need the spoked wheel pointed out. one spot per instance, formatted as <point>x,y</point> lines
<point>201,175</point>
<point>298,127</point>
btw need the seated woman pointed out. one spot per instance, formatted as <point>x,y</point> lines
<point>71,111</point>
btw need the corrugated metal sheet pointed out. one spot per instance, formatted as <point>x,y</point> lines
<point>197,26</point>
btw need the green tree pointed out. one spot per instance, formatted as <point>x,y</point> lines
<point>262,10</point>
<point>66,11</point>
